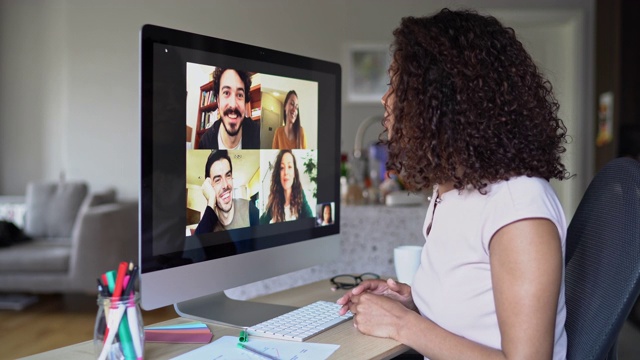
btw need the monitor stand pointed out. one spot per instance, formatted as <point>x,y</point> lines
<point>218,308</point>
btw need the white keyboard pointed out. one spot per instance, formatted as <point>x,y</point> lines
<point>302,323</point>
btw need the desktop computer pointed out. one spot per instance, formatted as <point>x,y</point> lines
<point>240,164</point>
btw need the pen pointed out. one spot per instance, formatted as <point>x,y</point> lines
<point>102,290</point>
<point>132,315</point>
<point>109,280</point>
<point>113,322</point>
<point>257,352</point>
<point>124,330</point>
<point>105,282</point>
<point>129,290</point>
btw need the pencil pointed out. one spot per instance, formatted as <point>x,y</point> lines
<point>257,352</point>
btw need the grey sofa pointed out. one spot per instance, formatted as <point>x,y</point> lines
<point>76,236</point>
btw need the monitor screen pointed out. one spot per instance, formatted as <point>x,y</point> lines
<point>240,158</point>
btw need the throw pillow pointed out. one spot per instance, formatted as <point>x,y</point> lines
<point>52,208</point>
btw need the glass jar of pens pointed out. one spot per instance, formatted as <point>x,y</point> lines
<point>119,330</point>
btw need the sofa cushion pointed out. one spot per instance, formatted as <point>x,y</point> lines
<point>99,198</point>
<point>39,255</point>
<point>52,208</point>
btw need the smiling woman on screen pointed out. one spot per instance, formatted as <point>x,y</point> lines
<point>291,135</point>
<point>286,198</point>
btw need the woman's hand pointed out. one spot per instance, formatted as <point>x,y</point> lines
<point>390,288</point>
<point>378,315</point>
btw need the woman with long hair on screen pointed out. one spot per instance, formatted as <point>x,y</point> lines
<point>291,135</point>
<point>469,115</point>
<point>326,215</point>
<point>286,197</point>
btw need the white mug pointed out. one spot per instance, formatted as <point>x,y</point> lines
<point>406,259</point>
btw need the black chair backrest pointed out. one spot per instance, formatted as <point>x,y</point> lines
<point>602,261</point>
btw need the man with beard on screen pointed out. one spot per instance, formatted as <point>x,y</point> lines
<point>223,212</point>
<point>231,89</point>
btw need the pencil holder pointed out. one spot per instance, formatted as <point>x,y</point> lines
<point>119,331</point>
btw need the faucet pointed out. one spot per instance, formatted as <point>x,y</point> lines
<point>360,164</point>
<point>364,125</point>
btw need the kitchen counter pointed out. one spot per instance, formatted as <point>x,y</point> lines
<point>368,236</point>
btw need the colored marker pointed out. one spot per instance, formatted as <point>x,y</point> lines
<point>111,280</point>
<point>113,322</point>
<point>132,316</point>
<point>123,330</point>
<point>244,337</point>
<point>122,271</point>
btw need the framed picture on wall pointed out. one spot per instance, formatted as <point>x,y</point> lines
<point>367,77</point>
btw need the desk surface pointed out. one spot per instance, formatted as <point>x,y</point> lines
<point>353,345</point>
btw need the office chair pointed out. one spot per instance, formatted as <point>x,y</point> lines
<point>602,261</point>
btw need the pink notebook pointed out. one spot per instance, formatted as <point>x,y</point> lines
<point>192,333</point>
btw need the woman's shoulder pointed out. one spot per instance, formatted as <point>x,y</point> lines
<point>523,192</point>
<point>524,197</point>
<point>265,218</point>
<point>525,184</point>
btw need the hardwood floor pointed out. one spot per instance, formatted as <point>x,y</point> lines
<point>56,321</point>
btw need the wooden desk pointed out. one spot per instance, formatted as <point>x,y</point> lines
<point>353,345</point>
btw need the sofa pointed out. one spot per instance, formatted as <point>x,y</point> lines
<point>74,235</point>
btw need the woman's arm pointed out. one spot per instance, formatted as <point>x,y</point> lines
<point>306,209</point>
<point>276,139</point>
<point>266,217</point>
<point>526,268</point>
<point>527,264</point>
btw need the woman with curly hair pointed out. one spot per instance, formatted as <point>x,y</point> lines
<point>286,198</point>
<point>469,115</point>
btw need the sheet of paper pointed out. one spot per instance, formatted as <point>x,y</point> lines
<point>226,348</point>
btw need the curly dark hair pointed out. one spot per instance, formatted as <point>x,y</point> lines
<point>244,76</point>
<point>275,204</point>
<point>470,105</point>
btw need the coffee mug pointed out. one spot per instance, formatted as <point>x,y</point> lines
<point>406,259</point>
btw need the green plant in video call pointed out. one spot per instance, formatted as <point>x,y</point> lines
<point>311,169</point>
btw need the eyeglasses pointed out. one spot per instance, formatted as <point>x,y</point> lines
<point>347,281</point>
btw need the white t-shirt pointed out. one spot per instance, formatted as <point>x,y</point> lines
<point>453,285</point>
<point>288,215</point>
<point>221,144</point>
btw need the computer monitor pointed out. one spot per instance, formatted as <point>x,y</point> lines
<point>212,219</point>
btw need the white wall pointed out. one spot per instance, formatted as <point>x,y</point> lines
<point>69,70</point>
<point>553,38</point>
